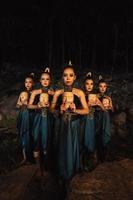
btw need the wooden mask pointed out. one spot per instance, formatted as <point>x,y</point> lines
<point>44,99</point>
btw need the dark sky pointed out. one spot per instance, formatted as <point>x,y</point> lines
<point>97,34</point>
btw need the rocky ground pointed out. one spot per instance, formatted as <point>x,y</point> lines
<point>110,180</point>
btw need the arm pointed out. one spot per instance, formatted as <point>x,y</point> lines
<point>111,105</point>
<point>54,101</point>
<point>51,92</point>
<point>85,109</point>
<point>99,103</point>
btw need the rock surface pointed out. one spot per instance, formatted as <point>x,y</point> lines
<point>108,181</point>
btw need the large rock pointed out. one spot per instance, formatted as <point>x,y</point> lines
<point>13,185</point>
<point>130,119</point>
<point>119,124</point>
<point>8,106</point>
<point>127,87</point>
<point>8,100</point>
<point>130,113</point>
<point>120,119</point>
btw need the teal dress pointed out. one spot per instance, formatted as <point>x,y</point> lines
<point>106,123</point>
<point>41,128</point>
<point>102,127</point>
<point>24,126</point>
<point>106,127</point>
<point>68,142</point>
<point>89,133</point>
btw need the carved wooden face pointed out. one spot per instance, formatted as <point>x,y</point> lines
<point>92,98</point>
<point>24,97</point>
<point>68,97</point>
<point>44,98</point>
<point>106,102</point>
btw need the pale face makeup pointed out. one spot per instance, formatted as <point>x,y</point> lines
<point>45,80</point>
<point>68,77</point>
<point>102,87</point>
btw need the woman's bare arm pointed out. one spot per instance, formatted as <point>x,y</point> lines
<point>99,103</point>
<point>55,98</point>
<point>84,110</point>
<point>111,105</point>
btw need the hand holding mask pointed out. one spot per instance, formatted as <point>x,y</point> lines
<point>67,100</point>
<point>24,96</point>
<point>106,103</point>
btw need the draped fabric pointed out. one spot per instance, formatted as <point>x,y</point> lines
<point>89,134</point>
<point>67,141</point>
<point>68,155</point>
<point>24,126</point>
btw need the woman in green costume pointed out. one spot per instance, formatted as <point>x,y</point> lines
<point>25,119</point>
<point>103,120</point>
<point>40,101</point>
<point>89,132</point>
<point>71,104</point>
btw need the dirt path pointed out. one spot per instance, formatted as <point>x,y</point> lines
<point>109,181</point>
<point>26,183</point>
<point>45,187</point>
<point>13,185</point>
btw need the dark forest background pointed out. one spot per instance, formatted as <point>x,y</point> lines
<point>97,34</point>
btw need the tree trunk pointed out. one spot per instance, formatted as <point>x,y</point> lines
<point>93,60</point>
<point>127,49</point>
<point>115,32</point>
<point>50,44</point>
